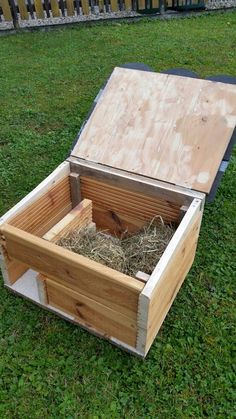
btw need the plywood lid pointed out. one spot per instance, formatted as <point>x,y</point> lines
<point>171,128</point>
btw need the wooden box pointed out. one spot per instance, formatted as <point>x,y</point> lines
<point>152,146</point>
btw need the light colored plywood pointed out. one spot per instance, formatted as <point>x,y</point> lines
<point>105,285</point>
<point>161,126</point>
<point>91,313</point>
<point>80,216</point>
<point>167,278</point>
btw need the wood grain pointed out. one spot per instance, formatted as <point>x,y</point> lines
<point>91,313</point>
<point>103,284</point>
<point>80,216</point>
<point>39,216</point>
<point>118,209</point>
<point>39,9</point>
<point>161,126</point>
<point>167,278</point>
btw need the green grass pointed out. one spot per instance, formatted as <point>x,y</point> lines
<point>48,367</point>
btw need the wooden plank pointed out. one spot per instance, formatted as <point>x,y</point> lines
<point>114,5</point>
<point>23,10</point>
<point>141,4</point>
<point>152,116</point>
<point>85,7</point>
<point>47,207</point>
<point>70,7</point>
<point>155,4</point>
<point>117,209</point>
<point>4,4</point>
<point>105,285</point>
<point>134,182</point>
<point>91,313</point>
<point>13,268</point>
<point>75,189</point>
<point>167,278</point>
<point>61,172</point>
<point>128,5</point>
<point>55,8</point>
<point>78,217</point>
<point>101,6</point>
<point>39,9</point>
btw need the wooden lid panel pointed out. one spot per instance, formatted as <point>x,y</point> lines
<point>171,128</point>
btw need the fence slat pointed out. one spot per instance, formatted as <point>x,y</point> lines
<point>155,4</point>
<point>55,8</point>
<point>141,4</point>
<point>70,7</point>
<point>101,5</point>
<point>23,10</point>
<point>128,4</point>
<point>39,9</point>
<point>6,9</point>
<point>114,6</point>
<point>85,7</point>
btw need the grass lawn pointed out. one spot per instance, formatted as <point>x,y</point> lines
<point>48,367</point>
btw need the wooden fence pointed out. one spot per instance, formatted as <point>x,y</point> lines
<point>15,10</point>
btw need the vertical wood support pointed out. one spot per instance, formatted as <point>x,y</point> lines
<point>75,189</point>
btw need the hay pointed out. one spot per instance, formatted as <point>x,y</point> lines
<point>129,254</point>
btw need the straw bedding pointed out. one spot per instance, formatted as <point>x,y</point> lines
<point>130,253</point>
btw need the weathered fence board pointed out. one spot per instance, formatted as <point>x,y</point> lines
<point>6,10</point>
<point>70,7</point>
<point>39,9</point>
<point>55,8</point>
<point>23,9</point>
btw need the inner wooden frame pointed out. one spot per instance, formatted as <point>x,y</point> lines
<point>114,302</point>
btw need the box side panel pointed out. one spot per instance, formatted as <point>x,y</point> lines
<point>90,313</point>
<point>119,209</point>
<point>36,213</point>
<point>27,287</point>
<point>103,284</point>
<point>168,276</point>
